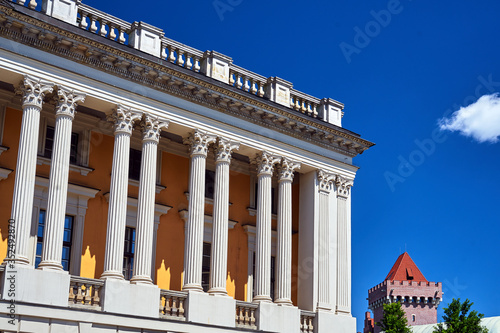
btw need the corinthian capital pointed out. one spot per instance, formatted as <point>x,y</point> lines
<point>199,142</point>
<point>343,186</point>
<point>224,148</point>
<point>265,162</point>
<point>33,91</point>
<point>286,169</point>
<point>124,118</point>
<point>151,127</point>
<point>325,181</point>
<point>67,101</point>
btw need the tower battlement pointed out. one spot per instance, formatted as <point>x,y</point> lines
<point>405,283</point>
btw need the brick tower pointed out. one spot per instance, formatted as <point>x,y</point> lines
<point>405,283</point>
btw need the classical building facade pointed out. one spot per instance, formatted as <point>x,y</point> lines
<point>406,284</point>
<point>150,187</point>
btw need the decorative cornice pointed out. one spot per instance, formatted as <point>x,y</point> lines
<point>286,169</point>
<point>151,127</point>
<point>33,91</point>
<point>176,81</point>
<point>224,148</point>
<point>67,102</point>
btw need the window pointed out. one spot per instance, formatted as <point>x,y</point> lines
<point>49,145</point>
<point>413,317</point>
<point>273,275</point>
<point>128,253</point>
<point>209,184</point>
<point>67,240</point>
<point>134,170</point>
<point>205,275</point>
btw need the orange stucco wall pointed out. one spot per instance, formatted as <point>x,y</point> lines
<point>170,236</point>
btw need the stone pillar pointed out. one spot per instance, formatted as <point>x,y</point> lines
<point>193,252</point>
<point>218,264</point>
<point>325,182</point>
<point>344,245</point>
<point>33,91</point>
<point>124,119</point>
<point>151,128</point>
<point>265,166</point>
<point>284,250</point>
<point>58,181</point>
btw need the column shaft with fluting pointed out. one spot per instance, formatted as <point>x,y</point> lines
<point>325,181</point>
<point>265,167</point>
<point>218,262</point>
<point>124,119</point>
<point>33,92</point>
<point>58,182</point>
<point>151,128</point>
<point>344,245</point>
<point>284,245</point>
<point>193,246</point>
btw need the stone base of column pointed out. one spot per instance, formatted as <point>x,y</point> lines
<point>141,280</point>
<point>216,310</point>
<point>323,307</point>
<point>262,299</point>
<point>26,284</point>
<point>130,299</point>
<point>192,287</point>
<point>276,318</point>
<point>328,322</point>
<point>218,292</point>
<point>112,275</point>
<point>283,302</point>
<point>50,266</point>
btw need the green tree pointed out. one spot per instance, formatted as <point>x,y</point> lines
<point>394,320</point>
<point>457,319</point>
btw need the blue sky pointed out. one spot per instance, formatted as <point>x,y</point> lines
<point>423,61</point>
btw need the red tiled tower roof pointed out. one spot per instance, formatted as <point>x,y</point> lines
<point>405,270</point>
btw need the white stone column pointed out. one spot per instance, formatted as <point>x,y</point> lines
<point>33,91</point>
<point>151,128</point>
<point>325,182</point>
<point>193,251</point>
<point>58,181</point>
<point>124,120</point>
<point>265,167</point>
<point>218,261</point>
<point>344,245</point>
<point>284,248</point>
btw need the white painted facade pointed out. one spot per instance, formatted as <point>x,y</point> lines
<point>154,82</point>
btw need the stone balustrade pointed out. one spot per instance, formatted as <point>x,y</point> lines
<point>245,314</point>
<point>180,54</point>
<point>247,81</point>
<point>304,103</point>
<point>172,304</point>
<point>85,292</point>
<point>149,39</point>
<point>103,24</point>
<point>307,321</point>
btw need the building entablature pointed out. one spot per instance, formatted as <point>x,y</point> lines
<point>182,81</point>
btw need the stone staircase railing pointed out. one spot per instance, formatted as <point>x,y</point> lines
<point>150,39</point>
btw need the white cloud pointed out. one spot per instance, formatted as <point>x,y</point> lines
<point>479,120</point>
